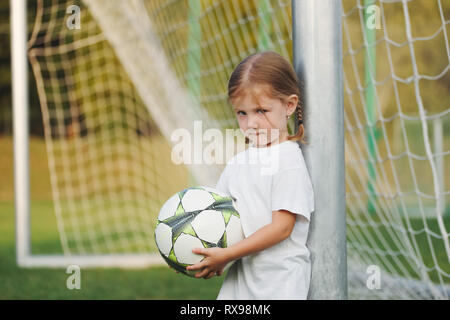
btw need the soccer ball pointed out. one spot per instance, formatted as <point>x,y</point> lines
<point>193,218</point>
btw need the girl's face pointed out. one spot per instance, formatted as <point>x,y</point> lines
<point>262,118</point>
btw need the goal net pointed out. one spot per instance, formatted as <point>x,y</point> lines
<point>396,82</point>
<point>116,79</point>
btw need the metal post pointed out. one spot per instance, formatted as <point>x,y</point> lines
<point>194,55</point>
<point>20,129</point>
<point>265,24</point>
<point>317,45</point>
<point>370,95</point>
<point>438,138</point>
<point>194,60</point>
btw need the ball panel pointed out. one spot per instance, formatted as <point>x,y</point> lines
<point>163,236</point>
<point>180,210</point>
<point>209,225</point>
<point>207,244</point>
<point>189,230</point>
<point>183,249</point>
<point>171,261</point>
<point>223,241</point>
<point>169,208</point>
<point>226,215</point>
<point>196,199</point>
<point>234,231</point>
<point>172,256</point>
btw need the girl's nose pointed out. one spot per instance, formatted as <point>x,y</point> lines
<point>252,123</point>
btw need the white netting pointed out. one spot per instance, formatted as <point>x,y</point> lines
<point>113,91</point>
<point>396,81</point>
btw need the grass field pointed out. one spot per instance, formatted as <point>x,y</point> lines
<point>150,283</point>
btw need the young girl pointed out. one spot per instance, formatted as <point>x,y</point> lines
<point>274,203</point>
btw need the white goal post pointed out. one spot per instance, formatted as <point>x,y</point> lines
<point>119,24</point>
<point>317,60</point>
<point>20,128</point>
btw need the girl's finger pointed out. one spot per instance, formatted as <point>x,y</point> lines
<point>197,266</point>
<point>201,251</point>
<point>194,267</point>
<point>202,273</point>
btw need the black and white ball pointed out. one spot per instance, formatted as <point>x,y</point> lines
<point>193,218</point>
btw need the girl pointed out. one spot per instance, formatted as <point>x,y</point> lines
<point>274,205</point>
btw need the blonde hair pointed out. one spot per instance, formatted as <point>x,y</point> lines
<point>270,69</point>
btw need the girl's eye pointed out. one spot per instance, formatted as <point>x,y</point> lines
<point>261,111</point>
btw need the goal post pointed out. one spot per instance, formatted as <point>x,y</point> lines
<point>24,257</point>
<point>18,14</point>
<point>318,62</point>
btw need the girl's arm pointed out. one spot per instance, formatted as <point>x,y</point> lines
<point>216,258</point>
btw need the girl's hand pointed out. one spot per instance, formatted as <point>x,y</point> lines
<point>214,262</point>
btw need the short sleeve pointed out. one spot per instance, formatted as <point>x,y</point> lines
<point>292,191</point>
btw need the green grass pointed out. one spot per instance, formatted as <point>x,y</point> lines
<point>149,283</point>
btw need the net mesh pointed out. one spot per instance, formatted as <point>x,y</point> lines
<point>396,105</point>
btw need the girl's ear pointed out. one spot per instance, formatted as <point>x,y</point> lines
<point>292,102</point>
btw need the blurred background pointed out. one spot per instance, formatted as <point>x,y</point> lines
<point>109,83</point>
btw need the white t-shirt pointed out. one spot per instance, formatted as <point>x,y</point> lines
<point>262,180</point>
